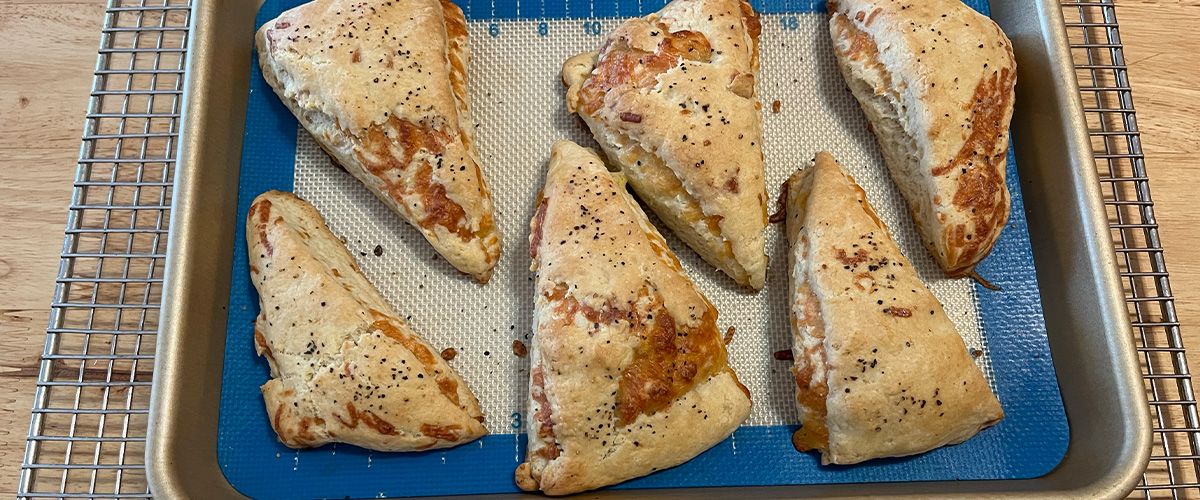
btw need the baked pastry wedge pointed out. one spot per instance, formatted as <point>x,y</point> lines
<point>936,81</point>
<point>382,87</point>
<point>628,371</point>
<point>344,366</point>
<point>880,369</point>
<point>670,98</point>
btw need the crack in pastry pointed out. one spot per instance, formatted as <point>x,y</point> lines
<point>344,366</point>
<point>381,86</point>
<point>880,369</point>
<point>670,98</point>
<point>629,373</point>
<point>936,81</point>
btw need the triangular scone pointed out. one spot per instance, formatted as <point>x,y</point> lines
<point>628,371</point>
<point>382,87</point>
<point>880,369</point>
<point>670,98</point>
<point>344,366</point>
<point>936,80</point>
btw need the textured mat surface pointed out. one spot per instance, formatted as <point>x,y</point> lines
<point>517,100</point>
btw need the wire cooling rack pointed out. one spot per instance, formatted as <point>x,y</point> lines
<point>1116,142</point>
<point>87,432</point>
<point>88,429</point>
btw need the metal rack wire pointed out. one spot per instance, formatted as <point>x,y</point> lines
<point>87,431</point>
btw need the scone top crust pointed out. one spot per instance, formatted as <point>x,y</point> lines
<point>629,371</point>
<point>952,73</point>
<point>377,50</point>
<point>880,369</point>
<point>381,85</point>
<point>676,89</point>
<point>344,366</point>
<point>607,250</point>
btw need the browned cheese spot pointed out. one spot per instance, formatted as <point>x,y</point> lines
<point>846,259</point>
<point>441,432</point>
<point>980,187</point>
<point>304,435</point>
<point>380,161</point>
<point>367,418</point>
<point>811,392</point>
<point>623,67</point>
<point>670,358</point>
<point>262,344</point>
<point>539,220</point>
<point>262,209</point>
<point>780,214</point>
<point>456,33</point>
<point>543,418</point>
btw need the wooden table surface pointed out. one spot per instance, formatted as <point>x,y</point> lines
<point>48,52</point>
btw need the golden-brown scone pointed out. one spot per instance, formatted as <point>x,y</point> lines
<point>936,80</point>
<point>880,369</point>
<point>381,86</point>
<point>344,366</point>
<point>628,371</point>
<point>670,98</point>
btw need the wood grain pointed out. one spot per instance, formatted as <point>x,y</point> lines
<point>1164,67</point>
<point>49,52</point>
<point>46,65</point>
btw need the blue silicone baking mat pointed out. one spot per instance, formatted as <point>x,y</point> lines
<point>516,94</point>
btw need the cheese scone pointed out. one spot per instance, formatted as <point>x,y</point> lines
<point>628,371</point>
<point>936,80</point>
<point>344,366</point>
<point>670,98</point>
<point>880,369</point>
<point>382,87</point>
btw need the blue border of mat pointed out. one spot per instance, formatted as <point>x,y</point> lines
<point>1029,442</point>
